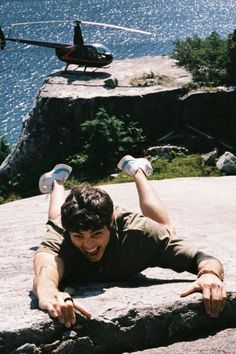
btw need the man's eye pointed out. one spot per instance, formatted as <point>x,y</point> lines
<point>96,234</point>
<point>77,235</point>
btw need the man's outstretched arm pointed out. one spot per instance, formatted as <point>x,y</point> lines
<point>210,283</point>
<point>49,270</point>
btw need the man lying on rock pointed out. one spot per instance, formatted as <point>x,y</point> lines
<point>87,239</point>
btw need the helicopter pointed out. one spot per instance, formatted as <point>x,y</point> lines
<point>81,54</point>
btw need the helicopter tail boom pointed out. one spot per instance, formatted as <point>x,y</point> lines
<point>2,40</point>
<point>38,43</point>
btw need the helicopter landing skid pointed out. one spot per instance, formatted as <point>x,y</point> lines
<point>85,68</point>
<point>76,68</point>
<point>104,67</point>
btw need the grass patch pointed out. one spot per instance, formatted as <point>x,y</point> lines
<point>187,166</point>
<point>10,198</point>
<point>150,79</point>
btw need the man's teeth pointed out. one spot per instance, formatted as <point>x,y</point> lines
<point>91,252</point>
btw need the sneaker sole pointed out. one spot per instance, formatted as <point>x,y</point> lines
<point>124,161</point>
<point>50,173</point>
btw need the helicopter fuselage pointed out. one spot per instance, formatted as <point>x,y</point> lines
<point>94,55</point>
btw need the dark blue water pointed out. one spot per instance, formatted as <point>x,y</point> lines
<point>23,67</point>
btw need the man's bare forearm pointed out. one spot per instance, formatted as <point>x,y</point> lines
<point>49,270</point>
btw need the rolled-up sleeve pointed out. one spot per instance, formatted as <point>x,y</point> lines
<point>168,252</point>
<point>52,239</point>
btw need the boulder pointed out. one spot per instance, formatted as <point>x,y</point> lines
<point>167,152</point>
<point>111,82</point>
<point>210,157</point>
<point>227,163</point>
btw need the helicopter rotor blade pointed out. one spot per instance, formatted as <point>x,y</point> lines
<point>38,22</point>
<point>102,24</point>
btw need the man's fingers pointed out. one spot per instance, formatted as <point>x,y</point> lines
<point>224,297</point>
<point>213,293</point>
<point>206,297</point>
<point>82,310</point>
<point>192,288</point>
<point>218,298</point>
<point>52,311</point>
<point>55,311</point>
<point>68,314</point>
<point>52,307</point>
<point>63,310</point>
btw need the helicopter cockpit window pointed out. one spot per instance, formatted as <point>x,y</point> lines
<point>101,49</point>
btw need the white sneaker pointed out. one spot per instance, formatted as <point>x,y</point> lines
<point>130,165</point>
<point>60,173</point>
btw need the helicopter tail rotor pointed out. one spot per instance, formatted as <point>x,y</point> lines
<point>2,40</point>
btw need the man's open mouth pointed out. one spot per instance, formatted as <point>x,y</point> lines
<point>93,253</point>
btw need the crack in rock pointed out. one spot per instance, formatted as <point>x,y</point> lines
<point>139,329</point>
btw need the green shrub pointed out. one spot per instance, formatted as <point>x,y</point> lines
<point>104,140</point>
<point>206,59</point>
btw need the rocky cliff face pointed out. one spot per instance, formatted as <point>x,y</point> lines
<point>213,112</point>
<point>66,99</point>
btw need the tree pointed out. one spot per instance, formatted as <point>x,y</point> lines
<point>104,140</point>
<point>205,58</point>
<point>231,67</point>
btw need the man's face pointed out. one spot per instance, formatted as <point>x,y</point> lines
<point>91,243</point>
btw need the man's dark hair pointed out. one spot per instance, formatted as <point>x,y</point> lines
<point>86,208</point>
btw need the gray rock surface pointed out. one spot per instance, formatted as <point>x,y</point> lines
<point>167,152</point>
<point>123,71</point>
<point>144,312</point>
<point>227,163</point>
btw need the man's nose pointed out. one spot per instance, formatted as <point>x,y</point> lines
<point>88,245</point>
